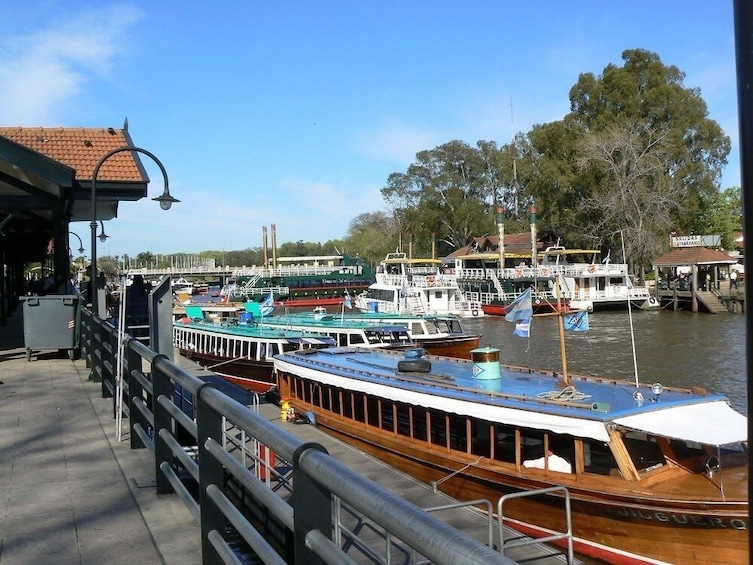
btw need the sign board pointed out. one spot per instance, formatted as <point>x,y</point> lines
<point>696,240</point>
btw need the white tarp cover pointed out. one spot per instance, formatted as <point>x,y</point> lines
<point>711,423</point>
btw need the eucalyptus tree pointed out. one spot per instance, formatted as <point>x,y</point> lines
<point>643,112</point>
<point>444,192</point>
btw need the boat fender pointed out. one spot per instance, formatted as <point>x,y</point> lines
<point>415,353</point>
<point>414,366</point>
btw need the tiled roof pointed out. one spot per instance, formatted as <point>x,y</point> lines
<point>81,149</point>
<point>692,256</point>
<point>515,243</point>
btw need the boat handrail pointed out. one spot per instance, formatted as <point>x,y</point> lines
<point>518,542</point>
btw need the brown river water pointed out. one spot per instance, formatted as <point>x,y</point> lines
<point>673,348</point>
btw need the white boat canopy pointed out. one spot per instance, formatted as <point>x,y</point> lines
<point>712,423</point>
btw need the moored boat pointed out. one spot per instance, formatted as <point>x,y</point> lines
<point>416,286</point>
<point>653,473</point>
<point>301,281</point>
<point>241,353</point>
<point>438,335</point>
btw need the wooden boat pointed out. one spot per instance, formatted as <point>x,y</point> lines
<point>656,474</point>
<point>241,353</point>
<point>439,335</point>
<point>416,286</point>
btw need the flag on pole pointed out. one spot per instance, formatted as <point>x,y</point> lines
<point>523,328</point>
<point>521,308</point>
<point>576,322</point>
<point>267,305</point>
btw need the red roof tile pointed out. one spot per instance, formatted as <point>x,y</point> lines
<point>81,149</point>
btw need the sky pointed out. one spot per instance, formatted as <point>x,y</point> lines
<point>295,113</point>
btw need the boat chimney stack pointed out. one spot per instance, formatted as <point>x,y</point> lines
<point>501,229</point>
<point>485,363</point>
<point>274,246</point>
<point>534,252</point>
<point>264,245</point>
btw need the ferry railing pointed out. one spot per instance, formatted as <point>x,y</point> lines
<point>237,511</point>
<point>518,542</point>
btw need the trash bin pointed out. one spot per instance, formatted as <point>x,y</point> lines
<point>50,322</point>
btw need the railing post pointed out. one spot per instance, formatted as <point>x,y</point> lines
<point>311,508</point>
<point>109,355</point>
<point>162,386</point>
<point>208,425</point>
<point>132,362</point>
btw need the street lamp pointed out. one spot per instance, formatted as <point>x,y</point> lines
<point>80,243</point>
<point>102,235</point>
<point>165,202</point>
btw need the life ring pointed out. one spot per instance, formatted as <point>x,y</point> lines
<point>474,312</point>
<point>591,269</point>
<point>544,272</point>
<point>430,281</point>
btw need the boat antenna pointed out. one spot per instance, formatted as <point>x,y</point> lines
<point>630,311</point>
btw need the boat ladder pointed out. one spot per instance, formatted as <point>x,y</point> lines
<point>517,542</point>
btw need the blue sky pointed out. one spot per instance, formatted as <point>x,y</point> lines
<point>295,113</point>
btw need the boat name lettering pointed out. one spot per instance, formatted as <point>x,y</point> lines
<point>683,519</point>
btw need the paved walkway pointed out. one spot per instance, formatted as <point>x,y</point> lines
<point>70,493</point>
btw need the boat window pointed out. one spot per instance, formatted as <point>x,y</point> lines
<point>598,458</point>
<point>419,423</point>
<point>359,413</point>
<point>388,418</point>
<point>644,451</point>
<point>458,433</point>
<point>504,450</point>
<point>356,339</point>
<point>481,433</point>
<point>403,419</point>
<point>347,403</point>
<point>372,408</point>
<point>531,444</point>
<point>438,427</point>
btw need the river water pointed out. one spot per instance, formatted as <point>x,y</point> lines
<point>673,348</point>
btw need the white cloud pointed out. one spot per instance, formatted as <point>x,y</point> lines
<point>43,71</point>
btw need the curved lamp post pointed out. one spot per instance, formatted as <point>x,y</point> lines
<point>165,202</point>
<point>80,243</point>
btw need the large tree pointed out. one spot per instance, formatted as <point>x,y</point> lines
<point>645,104</point>
<point>445,192</point>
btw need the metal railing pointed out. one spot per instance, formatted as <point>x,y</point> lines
<point>241,513</point>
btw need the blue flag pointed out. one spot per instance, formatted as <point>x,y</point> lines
<point>267,305</point>
<point>521,308</point>
<point>523,328</point>
<point>576,322</point>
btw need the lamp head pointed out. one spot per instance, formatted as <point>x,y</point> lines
<point>165,199</point>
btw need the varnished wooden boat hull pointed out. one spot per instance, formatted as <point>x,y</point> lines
<point>457,347</point>
<point>639,527</point>
<point>256,376</point>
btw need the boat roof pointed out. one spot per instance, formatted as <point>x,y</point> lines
<point>330,322</point>
<point>527,397</point>
<point>257,332</point>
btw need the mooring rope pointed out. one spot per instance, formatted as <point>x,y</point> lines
<point>567,394</point>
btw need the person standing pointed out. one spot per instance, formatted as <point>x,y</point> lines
<point>732,279</point>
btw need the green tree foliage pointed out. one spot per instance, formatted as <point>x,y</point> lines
<point>371,236</point>
<point>637,130</point>
<point>721,214</point>
<point>446,191</point>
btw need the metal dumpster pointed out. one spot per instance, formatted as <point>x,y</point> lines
<point>50,322</point>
